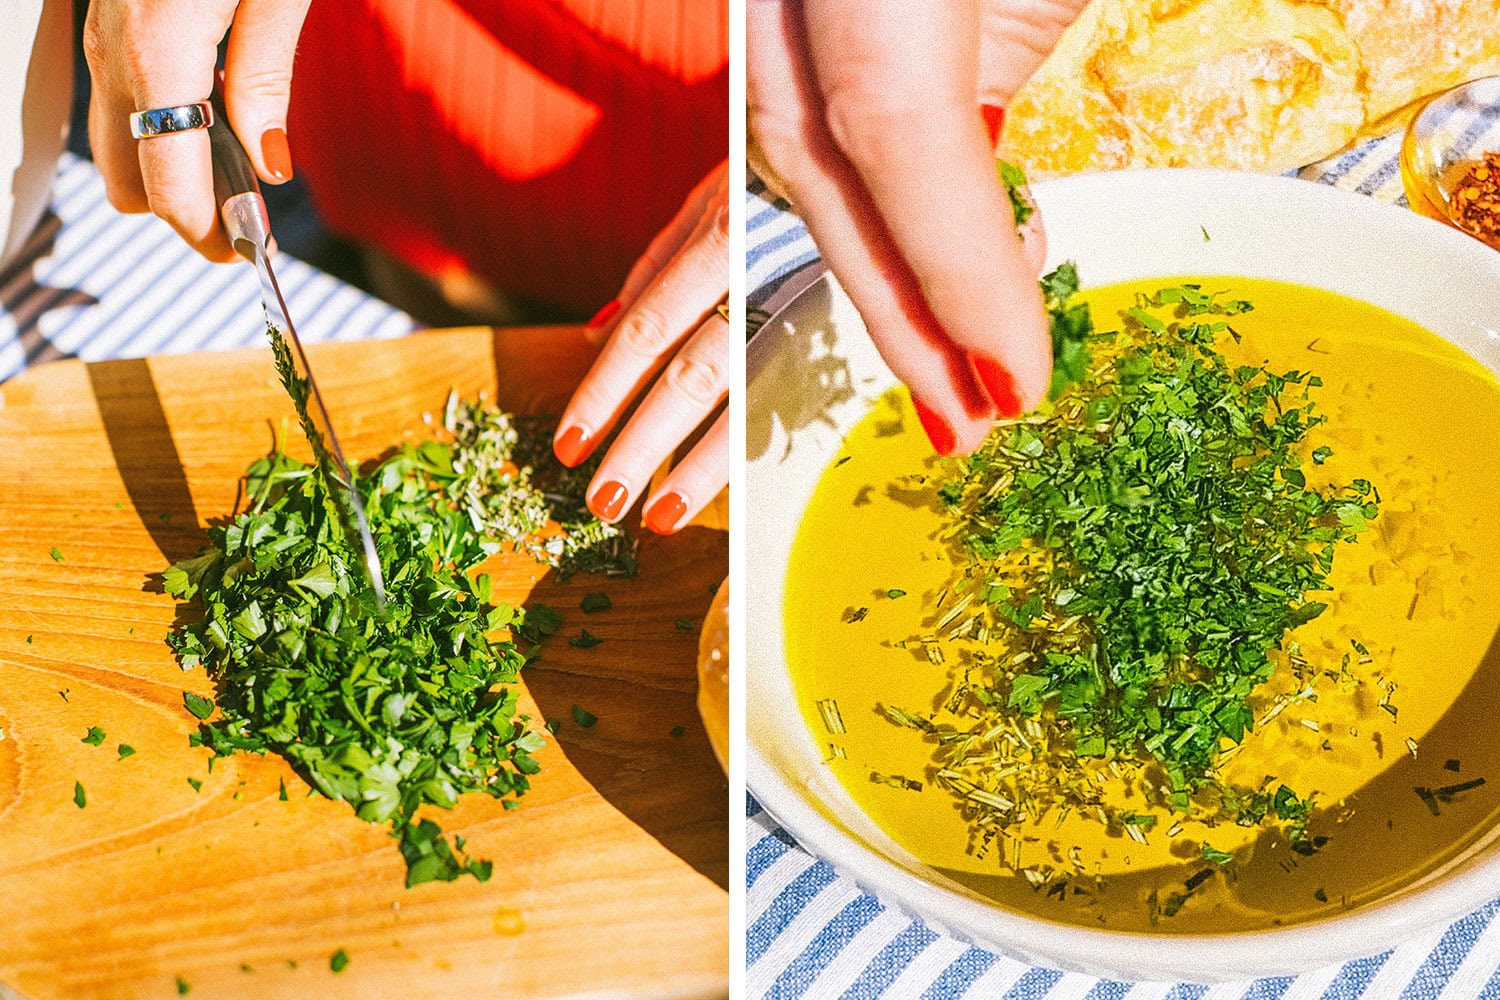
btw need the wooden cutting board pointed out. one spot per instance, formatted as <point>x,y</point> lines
<point>609,877</point>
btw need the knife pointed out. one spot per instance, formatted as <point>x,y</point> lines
<point>243,212</point>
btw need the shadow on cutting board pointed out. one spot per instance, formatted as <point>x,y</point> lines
<point>147,458</point>
<point>647,754</point>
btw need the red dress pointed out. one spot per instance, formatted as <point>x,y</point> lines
<point>540,144</point>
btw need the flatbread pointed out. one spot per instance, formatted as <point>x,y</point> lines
<point>1263,85</point>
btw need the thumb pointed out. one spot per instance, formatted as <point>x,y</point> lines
<point>258,81</point>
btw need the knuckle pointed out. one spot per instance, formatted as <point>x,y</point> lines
<point>868,123</point>
<point>698,379</point>
<point>718,228</point>
<point>96,50</point>
<point>263,83</point>
<point>644,333</point>
<point>125,198</point>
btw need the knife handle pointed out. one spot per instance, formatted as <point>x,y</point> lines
<point>236,188</point>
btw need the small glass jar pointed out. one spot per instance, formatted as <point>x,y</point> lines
<point>1446,139</point>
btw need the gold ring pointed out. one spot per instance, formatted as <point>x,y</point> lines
<point>723,310</point>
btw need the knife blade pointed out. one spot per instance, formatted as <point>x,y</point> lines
<point>243,211</point>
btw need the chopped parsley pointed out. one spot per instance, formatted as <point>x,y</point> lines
<point>585,640</point>
<point>583,717</point>
<point>79,798</point>
<point>417,707</point>
<point>200,706</point>
<point>95,736</point>
<point>1218,857</point>
<point>1136,556</point>
<point>595,602</point>
<point>339,961</point>
<point>56,554</point>
<point>1014,179</point>
<point>125,750</point>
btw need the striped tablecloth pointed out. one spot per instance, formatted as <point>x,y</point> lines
<point>811,932</point>
<point>95,284</point>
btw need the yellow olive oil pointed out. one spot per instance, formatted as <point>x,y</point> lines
<point>1418,591</point>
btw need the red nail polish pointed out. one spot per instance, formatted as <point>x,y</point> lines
<point>608,501</point>
<point>573,446</point>
<point>997,381</point>
<point>276,153</point>
<point>604,315</point>
<point>938,431</point>
<point>662,516</point>
<point>994,120</point>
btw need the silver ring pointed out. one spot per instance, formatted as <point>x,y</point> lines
<point>162,121</point>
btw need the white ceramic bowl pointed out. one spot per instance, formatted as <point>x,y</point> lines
<point>813,374</point>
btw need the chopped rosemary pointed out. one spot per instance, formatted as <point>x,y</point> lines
<point>1445,794</point>
<point>833,719</point>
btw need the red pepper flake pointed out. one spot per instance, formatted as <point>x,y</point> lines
<point>1475,204</point>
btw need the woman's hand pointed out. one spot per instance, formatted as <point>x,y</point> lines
<point>146,54</point>
<point>868,110</point>
<point>664,332</point>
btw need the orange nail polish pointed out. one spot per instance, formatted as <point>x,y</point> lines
<point>608,501</point>
<point>604,315</point>
<point>662,516</point>
<point>276,154</point>
<point>938,431</point>
<point>573,446</point>
<point>997,381</point>
<point>994,120</point>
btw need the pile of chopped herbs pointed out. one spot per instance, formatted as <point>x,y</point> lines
<point>1134,560</point>
<point>416,706</point>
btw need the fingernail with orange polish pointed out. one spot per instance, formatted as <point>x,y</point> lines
<point>604,315</point>
<point>662,516</point>
<point>994,120</point>
<point>997,381</point>
<point>608,501</point>
<point>938,431</point>
<point>573,446</point>
<point>276,154</point>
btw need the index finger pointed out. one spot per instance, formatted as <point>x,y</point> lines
<point>898,81</point>
<point>177,169</point>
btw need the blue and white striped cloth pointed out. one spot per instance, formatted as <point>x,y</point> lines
<point>94,284</point>
<point>811,933</point>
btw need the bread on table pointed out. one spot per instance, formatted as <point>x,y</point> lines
<point>1264,85</point>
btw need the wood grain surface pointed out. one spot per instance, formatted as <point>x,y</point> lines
<point>608,878</point>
